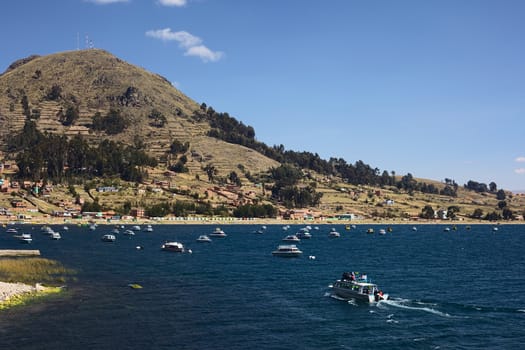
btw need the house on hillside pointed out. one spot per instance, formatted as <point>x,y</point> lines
<point>346,216</point>
<point>104,189</point>
<point>18,203</point>
<point>137,212</point>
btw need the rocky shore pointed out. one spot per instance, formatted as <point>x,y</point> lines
<point>8,290</point>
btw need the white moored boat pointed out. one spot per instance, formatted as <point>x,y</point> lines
<point>204,239</point>
<point>173,247</point>
<point>291,238</point>
<point>304,233</point>
<point>355,286</point>
<point>25,238</point>
<point>55,236</point>
<point>218,233</point>
<point>109,238</point>
<point>334,234</point>
<point>129,233</point>
<point>287,251</point>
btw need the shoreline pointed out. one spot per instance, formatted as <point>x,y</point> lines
<point>248,221</point>
<point>16,294</point>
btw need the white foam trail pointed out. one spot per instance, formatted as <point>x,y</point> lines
<point>521,310</point>
<point>426,309</point>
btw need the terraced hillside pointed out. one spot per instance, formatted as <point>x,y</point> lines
<point>93,81</point>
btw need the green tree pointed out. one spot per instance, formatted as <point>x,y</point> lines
<point>507,214</point>
<point>427,212</point>
<point>211,171</point>
<point>234,178</point>
<point>70,116</point>
<point>158,119</point>
<point>477,214</point>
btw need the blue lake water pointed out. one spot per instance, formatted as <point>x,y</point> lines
<point>461,289</point>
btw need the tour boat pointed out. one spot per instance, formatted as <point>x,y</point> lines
<point>355,286</point>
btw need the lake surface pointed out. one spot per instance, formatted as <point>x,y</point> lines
<point>461,289</point>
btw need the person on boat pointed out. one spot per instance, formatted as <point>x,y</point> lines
<point>378,295</point>
<point>346,276</point>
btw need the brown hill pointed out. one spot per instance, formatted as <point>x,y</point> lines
<point>94,81</point>
<point>91,81</point>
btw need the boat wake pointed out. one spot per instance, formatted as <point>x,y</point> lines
<point>412,305</point>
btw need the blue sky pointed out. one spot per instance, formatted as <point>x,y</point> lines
<point>434,88</point>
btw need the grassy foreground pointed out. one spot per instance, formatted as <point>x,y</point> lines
<point>32,271</point>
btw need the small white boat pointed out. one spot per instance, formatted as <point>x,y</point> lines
<point>355,286</point>
<point>65,228</point>
<point>25,238</point>
<point>218,233</point>
<point>287,251</point>
<point>129,233</point>
<point>47,230</point>
<point>304,233</point>
<point>382,231</point>
<point>149,228</point>
<point>173,247</point>
<point>135,228</point>
<point>12,230</point>
<point>109,238</point>
<point>204,239</point>
<point>92,227</point>
<point>291,238</point>
<point>56,236</point>
<point>261,230</point>
<point>370,231</point>
<point>334,234</point>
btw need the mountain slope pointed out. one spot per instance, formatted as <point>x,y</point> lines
<point>94,81</point>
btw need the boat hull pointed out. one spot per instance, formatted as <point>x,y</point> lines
<point>287,254</point>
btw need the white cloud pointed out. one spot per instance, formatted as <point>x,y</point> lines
<point>105,2</point>
<point>184,38</point>
<point>191,43</point>
<point>520,171</point>
<point>204,53</point>
<point>178,3</point>
<point>520,159</point>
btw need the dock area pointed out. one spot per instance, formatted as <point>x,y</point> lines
<point>19,252</point>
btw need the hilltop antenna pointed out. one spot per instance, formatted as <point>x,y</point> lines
<point>89,43</point>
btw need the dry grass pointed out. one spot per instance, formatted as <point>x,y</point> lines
<point>33,270</point>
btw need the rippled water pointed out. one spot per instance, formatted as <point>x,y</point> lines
<point>460,289</point>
